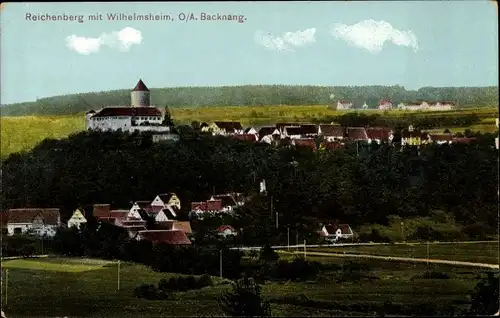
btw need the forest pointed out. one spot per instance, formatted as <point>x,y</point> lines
<point>361,184</point>
<point>257,95</point>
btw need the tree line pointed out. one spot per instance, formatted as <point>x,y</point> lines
<point>257,95</point>
<point>361,184</point>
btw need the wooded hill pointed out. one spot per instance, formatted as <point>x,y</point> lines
<point>256,96</point>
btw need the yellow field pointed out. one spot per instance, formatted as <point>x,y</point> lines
<point>23,133</point>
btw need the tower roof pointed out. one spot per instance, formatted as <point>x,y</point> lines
<point>141,87</point>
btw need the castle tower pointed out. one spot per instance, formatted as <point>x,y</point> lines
<point>140,95</point>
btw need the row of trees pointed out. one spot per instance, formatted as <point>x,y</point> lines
<point>257,95</point>
<point>359,184</point>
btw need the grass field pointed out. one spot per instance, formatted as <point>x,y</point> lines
<point>467,252</point>
<point>23,133</point>
<point>81,287</point>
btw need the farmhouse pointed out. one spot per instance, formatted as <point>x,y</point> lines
<point>331,132</point>
<point>39,221</point>
<point>384,104</point>
<point>379,134</point>
<point>344,104</point>
<point>77,219</point>
<point>336,231</point>
<point>140,116</point>
<point>411,137</point>
<point>224,128</point>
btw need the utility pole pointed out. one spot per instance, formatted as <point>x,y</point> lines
<point>6,284</point>
<point>118,280</point>
<point>402,231</point>
<point>288,237</point>
<point>220,265</point>
<point>305,255</point>
<point>276,219</point>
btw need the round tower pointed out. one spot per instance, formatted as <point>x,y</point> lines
<point>140,95</point>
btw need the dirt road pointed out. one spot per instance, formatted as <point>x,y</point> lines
<point>397,259</point>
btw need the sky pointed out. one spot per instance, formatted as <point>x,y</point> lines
<point>344,43</point>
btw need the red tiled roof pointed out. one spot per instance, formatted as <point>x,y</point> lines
<point>184,226</point>
<point>310,143</point>
<point>357,133</point>
<point>214,205</point>
<point>127,223</point>
<point>128,112</point>
<point>151,209</point>
<point>379,133</point>
<point>101,210</point>
<point>332,130</point>
<point>229,125</point>
<point>281,126</point>
<point>300,131</point>
<point>385,101</point>
<point>172,237</point>
<point>140,87</point>
<point>223,228</point>
<point>199,205</point>
<point>245,137</point>
<point>163,225</point>
<point>118,214</point>
<point>344,228</point>
<point>50,216</point>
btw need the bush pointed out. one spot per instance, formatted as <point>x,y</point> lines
<point>150,292</point>
<point>244,300</point>
<point>204,281</point>
<point>184,283</point>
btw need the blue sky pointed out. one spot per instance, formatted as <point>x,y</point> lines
<point>414,44</point>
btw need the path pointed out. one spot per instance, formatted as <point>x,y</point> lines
<point>398,259</point>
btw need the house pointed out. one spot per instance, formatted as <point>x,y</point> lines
<point>344,105</point>
<point>250,131</point>
<point>268,134</point>
<point>333,232</point>
<point>170,237</point>
<point>281,126</point>
<point>379,134</point>
<point>441,106</point>
<point>134,212</point>
<point>331,132</point>
<point>411,137</point>
<point>77,219</point>
<point>140,116</point>
<point>305,142</point>
<point>299,132</point>
<point>210,207</point>
<point>38,221</point>
<point>384,104</point>
<point>226,230</point>
<point>166,199</point>
<point>356,134</point>
<point>440,139</point>
<point>224,128</point>
<point>365,106</point>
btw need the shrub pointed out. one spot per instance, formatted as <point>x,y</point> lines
<point>204,281</point>
<point>184,283</point>
<point>150,292</point>
<point>244,300</point>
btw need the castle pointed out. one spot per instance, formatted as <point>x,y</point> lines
<point>139,117</point>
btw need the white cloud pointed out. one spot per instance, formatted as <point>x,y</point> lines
<point>287,41</point>
<point>371,35</point>
<point>121,40</point>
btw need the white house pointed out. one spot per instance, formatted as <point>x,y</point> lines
<point>167,199</point>
<point>335,232</point>
<point>385,104</point>
<point>226,230</point>
<point>38,221</point>
<point>139,117</point>
<point>441,106</point>
<point>136,207</point>
<point>344,104</point>
<point>77,219</point>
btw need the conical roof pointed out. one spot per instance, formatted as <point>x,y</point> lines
<point>141,87</point>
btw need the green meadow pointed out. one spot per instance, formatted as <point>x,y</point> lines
<point>83,287</point>
<point>25,132</point>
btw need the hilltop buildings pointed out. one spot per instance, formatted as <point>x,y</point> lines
<point>139,117</point>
